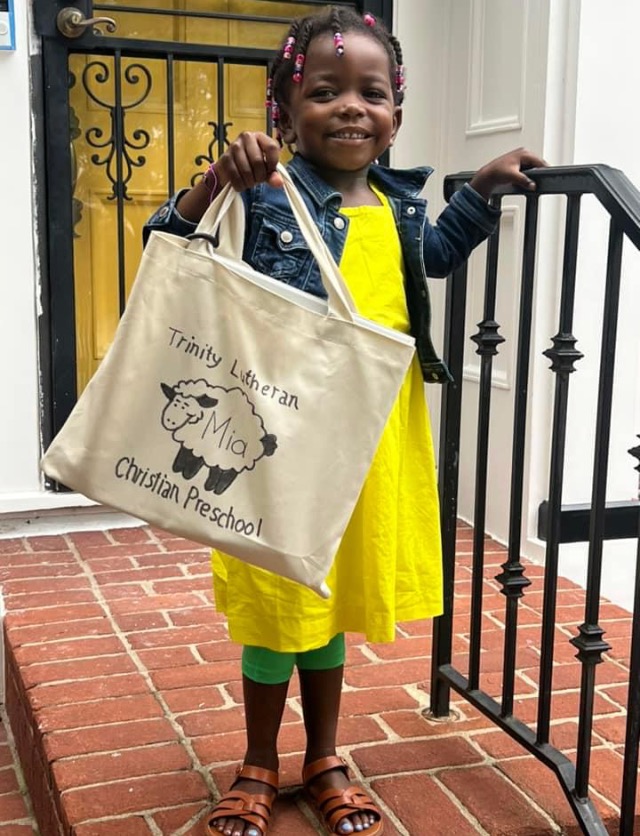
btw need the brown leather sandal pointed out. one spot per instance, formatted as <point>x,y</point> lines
<point>254,810</point>
<point>333,805</point>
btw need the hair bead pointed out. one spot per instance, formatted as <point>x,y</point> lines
<point>297,68</point>
<point>338,42</point>
<point>369,19</point>
<point>400,78</point>
<point>287,52</point>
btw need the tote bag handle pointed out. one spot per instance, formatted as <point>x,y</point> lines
<point>224,220</point>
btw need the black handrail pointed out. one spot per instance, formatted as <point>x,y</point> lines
<point>621,201</point>
<point>609,185</point>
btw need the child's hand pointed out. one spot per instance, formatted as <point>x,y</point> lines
<point>506,170</point>
<point>251,158</point>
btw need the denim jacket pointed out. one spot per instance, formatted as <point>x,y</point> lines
<point>274,244</point>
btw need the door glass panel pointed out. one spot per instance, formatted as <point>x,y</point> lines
<point>144,127</point>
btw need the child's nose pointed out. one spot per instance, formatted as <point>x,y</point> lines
<point>352,105</point>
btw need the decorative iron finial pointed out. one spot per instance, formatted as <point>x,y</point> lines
<point>487,339</point>
<point>564,354</point>
<point>635,452</point>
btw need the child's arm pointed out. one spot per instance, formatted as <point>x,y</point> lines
<point>506,170</point>
<point>469,219</point>
<point>250,159</point>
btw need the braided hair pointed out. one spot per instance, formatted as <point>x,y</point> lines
<point>288,64</point>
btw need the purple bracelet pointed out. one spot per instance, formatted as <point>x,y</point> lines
<point>210,181</point>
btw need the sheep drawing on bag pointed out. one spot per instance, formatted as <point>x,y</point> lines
<point>214,427</point>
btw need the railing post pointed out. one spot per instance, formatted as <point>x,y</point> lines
<point>512,578</point>
<point>487,339</point>
<point>632,737</point>
<point>563,356</point>
<point>449,457</point>
<point>590,643</point>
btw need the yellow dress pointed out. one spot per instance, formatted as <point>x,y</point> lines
<point>388,568</point>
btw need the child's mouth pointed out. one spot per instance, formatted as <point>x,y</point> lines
<point>349,135</point>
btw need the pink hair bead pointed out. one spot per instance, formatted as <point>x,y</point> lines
<point>338,42</point>
<point>369,19</point>
<point>287,52</point>
<point>297,68</point>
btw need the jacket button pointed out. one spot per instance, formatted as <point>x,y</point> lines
<point>286,237</point>
<point>339,223</point>
<point>411,210</point>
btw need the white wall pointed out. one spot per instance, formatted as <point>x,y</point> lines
<point>21,488</point>
<point>607,130</point>
<point>587,117</point>
<point>19,418</point>
<point>420,27</point>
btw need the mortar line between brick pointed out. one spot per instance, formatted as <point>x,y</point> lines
<point>607,698</point>
<point>153,827</point>
<point>148,820</point>
<point>157,541</point>
<point>142,669</point>
<point>493,762</point>
<point>392,736</point>
<point>460,807</point>
<point>17,767</point>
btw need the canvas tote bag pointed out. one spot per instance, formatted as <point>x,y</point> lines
<point>231,408</point>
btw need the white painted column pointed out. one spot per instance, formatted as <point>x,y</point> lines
<point>21,484</point>
<point>607,130</point>
<point>19,416</point>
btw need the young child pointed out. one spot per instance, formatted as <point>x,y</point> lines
<point>335,91</point>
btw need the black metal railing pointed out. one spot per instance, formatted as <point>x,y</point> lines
<point>557,523</point>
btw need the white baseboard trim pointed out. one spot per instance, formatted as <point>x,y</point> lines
<point>34,501</point>
<point>63,519</point>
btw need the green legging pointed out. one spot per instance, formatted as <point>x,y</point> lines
<point>269,667</point>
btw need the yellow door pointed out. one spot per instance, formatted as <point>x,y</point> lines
<point>135,120</point>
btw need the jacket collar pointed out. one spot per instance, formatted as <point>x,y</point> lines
<point>395,182</point>
<point>400,182</point>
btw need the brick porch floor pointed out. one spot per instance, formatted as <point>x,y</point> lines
<point>124,698</point>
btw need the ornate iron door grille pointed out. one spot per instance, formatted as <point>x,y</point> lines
<point>116,63</point>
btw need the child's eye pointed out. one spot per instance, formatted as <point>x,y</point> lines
<point>322,93</point>
<point>375,94</point>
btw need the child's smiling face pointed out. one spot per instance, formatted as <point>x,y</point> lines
<point>342,115</point>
